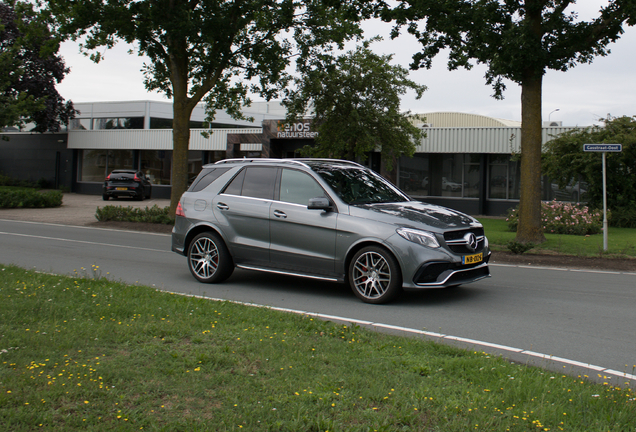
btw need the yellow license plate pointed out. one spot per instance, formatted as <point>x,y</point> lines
<point>472,259</point>
<point>122,188</point>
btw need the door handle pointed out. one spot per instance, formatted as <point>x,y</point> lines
<point>280,214</point>
<point>222,206</point>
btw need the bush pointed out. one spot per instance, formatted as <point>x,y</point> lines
<point>563,218</point>
<point>29,198</point>
<point>155,214</point>
<point>8,181</point>
<point>624,217</point>
<point>518,248</point>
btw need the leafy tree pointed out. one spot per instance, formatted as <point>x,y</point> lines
<point>356,102</point>
<point>565,160</point>
<point>216,51</point>
<point>29,71</point>
<point>518,40</point>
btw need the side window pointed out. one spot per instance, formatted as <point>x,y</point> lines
<point>206,178</point>
<point>298,187</point>
<point>236,185</point>
<point>259,182</point>
<point>255,182</point>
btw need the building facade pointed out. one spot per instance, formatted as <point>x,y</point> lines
<point>466,161</point>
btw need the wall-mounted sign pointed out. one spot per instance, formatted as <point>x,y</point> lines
<point>298,130</point>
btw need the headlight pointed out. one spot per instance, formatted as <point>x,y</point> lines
<point>423,238</point>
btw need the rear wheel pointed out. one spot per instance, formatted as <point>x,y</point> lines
<point>105,197</point>
<point>208,258</point>
<point>374,275</point>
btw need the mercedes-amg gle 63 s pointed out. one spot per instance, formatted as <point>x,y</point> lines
<point>325,219</point>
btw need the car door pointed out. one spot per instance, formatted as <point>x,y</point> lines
<point>242,211</point>
<point>302,240</point>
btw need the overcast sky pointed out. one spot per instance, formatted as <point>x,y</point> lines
<point>581,95</point>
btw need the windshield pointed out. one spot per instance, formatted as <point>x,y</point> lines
<point>356,185</point>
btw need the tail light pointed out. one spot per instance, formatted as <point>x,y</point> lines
<point>179,211</point>
<point>108,177</point>
<point>137,178</point>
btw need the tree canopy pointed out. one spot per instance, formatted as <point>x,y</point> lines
<point>518,41</point>
<point>29,70</point>
<point>565,161</point>
<point>215,51</point>
<point>355,99</point>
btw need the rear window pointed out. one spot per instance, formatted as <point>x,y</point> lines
<point>206,178</point>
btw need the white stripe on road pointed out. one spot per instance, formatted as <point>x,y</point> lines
<point>599,369</point>
<point>84,242</point>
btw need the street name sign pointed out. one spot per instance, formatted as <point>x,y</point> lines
<point>603,147</point>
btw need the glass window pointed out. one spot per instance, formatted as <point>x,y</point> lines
<point>414,175</point>
<point>452,172</point>
<point>504,177</point>
<point>92,165</point>
<point>79,124</point>
<point>160,123</point>
<point>358,186</point>
<point>236,185</point>
<point>195,164</point>
<point>157,165</point>
<point>118,123</point>
<point>259,182</point>
<point>120,159</point>
<point>472,176</point>
<point>95,165</point>
<point>498,177</point>
<point>206,178</point>
<point>298,188</point>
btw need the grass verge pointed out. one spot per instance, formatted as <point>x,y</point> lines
<point>87,353</point>
<point>621,241</point>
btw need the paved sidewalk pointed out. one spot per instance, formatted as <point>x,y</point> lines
<point>76,209</point>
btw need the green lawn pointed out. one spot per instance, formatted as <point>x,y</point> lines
<point>621,241</point>
<point>91,354</point>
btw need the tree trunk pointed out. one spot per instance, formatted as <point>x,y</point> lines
<point>530,228</point>
<point>180,143</point>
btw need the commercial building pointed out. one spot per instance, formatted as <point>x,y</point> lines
<point>466,161</point>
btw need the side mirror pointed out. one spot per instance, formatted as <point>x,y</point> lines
<point>320,203</point>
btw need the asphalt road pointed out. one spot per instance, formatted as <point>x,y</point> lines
<point>573,315</point>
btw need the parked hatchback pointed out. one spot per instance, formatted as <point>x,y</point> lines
<point>126,183</point>
<point>324,219</point>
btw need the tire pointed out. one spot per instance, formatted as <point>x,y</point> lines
<point>374,275</point>
<point>105,197</point>
<point>209,260</point>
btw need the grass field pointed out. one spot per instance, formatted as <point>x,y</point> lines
<point>621,241</point>
<point>86,353</point>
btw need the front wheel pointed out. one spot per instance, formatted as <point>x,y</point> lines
<point>374,275</point>
<point>208,258</point>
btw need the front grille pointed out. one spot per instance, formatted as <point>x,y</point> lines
<point>456,240</point>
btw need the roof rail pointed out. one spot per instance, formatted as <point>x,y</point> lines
<point>257,160</point>
<point>290,161</point>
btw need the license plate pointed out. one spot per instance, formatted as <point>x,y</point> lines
<point>121,188</point>
<point>472,259</point>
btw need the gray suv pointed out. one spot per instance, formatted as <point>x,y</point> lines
<point>325,219</point>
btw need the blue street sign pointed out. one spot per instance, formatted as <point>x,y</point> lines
<point>603,147</point>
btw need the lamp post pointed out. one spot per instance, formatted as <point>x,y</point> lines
<point>551,113</point>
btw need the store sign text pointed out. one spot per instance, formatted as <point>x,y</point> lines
<point>296,130</point>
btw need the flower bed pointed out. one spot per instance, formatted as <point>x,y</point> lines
<point>563,218</point>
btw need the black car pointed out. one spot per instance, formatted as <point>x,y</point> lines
<point>126,183</point>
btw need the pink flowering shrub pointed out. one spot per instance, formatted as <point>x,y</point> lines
<point>563,218</point>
